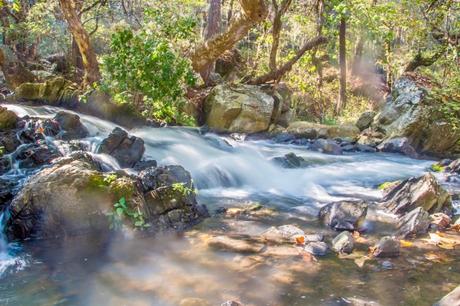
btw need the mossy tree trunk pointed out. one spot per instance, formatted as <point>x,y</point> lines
<point>81,37</point>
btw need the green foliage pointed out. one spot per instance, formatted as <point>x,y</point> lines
<point>2,151</point>
<point>437,168</point>
<point>144,69</point>
<point>183,189</point>
<point>122,211</point>
<point>386,185</point>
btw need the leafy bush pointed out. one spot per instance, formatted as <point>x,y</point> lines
<point>143,69</point>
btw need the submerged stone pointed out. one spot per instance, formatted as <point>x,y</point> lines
<point>387,247</point>
<point>344,215</point>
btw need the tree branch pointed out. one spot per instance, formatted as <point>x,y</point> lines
<point>277,74</point>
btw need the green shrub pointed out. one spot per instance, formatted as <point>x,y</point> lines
<point>144,69</point>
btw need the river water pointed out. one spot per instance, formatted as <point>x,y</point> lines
<point>229,173</point>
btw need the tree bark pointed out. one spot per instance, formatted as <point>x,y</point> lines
<point>92,73</point>
<point>213,28</point>
<point>253,12</point>
<point>342,100</point>
<point>277,74</point>
<point>279,11</point>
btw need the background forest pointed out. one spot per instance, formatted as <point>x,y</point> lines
<point>339,57</point>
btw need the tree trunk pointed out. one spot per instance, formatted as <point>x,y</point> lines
<point>213,28</point>
<point>253,12</point>
<point>92,73</point>
<point>279,11</point>
<point>342,100</point>
<point>277,74</point>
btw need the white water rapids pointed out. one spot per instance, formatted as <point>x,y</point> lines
<point>224,168</point>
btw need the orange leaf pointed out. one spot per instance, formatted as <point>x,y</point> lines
<point>300,240</point>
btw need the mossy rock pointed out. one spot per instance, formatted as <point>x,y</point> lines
<point>56,91</point>
<point>8,119</point>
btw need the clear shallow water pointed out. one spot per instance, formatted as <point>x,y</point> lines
<point>164,270</point>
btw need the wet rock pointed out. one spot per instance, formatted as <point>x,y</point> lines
<point>414,223</point>
<point>316,248</point>
<point>311,130</point>
<point>313,238</point>
<point>8,119</point>
<point>365,148</point>
<point>343,243</point>
<point>71,126</point>
<point>170,194</point>
<point>424,192</point>
<point>73,197</point>
<point>291,161</point>
<point>399,145</point>
<point>387,247</point>
<point>370,137</point>
<point>5,165</point>
<point>126,150</point>
<point>327,146</point>
<point>9,141</point>
<point>344,215</point>
<point>451,299</point>
<point>238,109</point>
<point>283,233</point>
<point>440,221</point>
<point>244,245</point>
<point>36,155</point>
<point>145,164</point>
<point>365,120</point>
<point>6,191</point>
<point>453,167</point>
<point>284,138</point>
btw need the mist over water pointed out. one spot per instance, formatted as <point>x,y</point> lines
<point>163,270</point>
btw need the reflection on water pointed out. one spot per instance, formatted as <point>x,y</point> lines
<point>166,270</point>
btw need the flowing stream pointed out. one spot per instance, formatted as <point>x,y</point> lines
<point>227,173</point>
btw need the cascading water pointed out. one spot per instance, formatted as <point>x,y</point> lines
<point>224,170</point>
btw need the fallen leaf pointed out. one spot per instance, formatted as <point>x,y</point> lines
<point>444,240</point>
<point>406,244</point>
<point>437,257</point>
<point>300,239</point>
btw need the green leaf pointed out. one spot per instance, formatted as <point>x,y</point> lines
<point>120,211</point>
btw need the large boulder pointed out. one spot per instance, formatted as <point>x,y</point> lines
<point>57,91</point>
<point>74,196</point>
<point>344,215</point>
<point>412,112</point>
<point>424,192</point>
<point>125,149</point>
<point>238,109</point>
